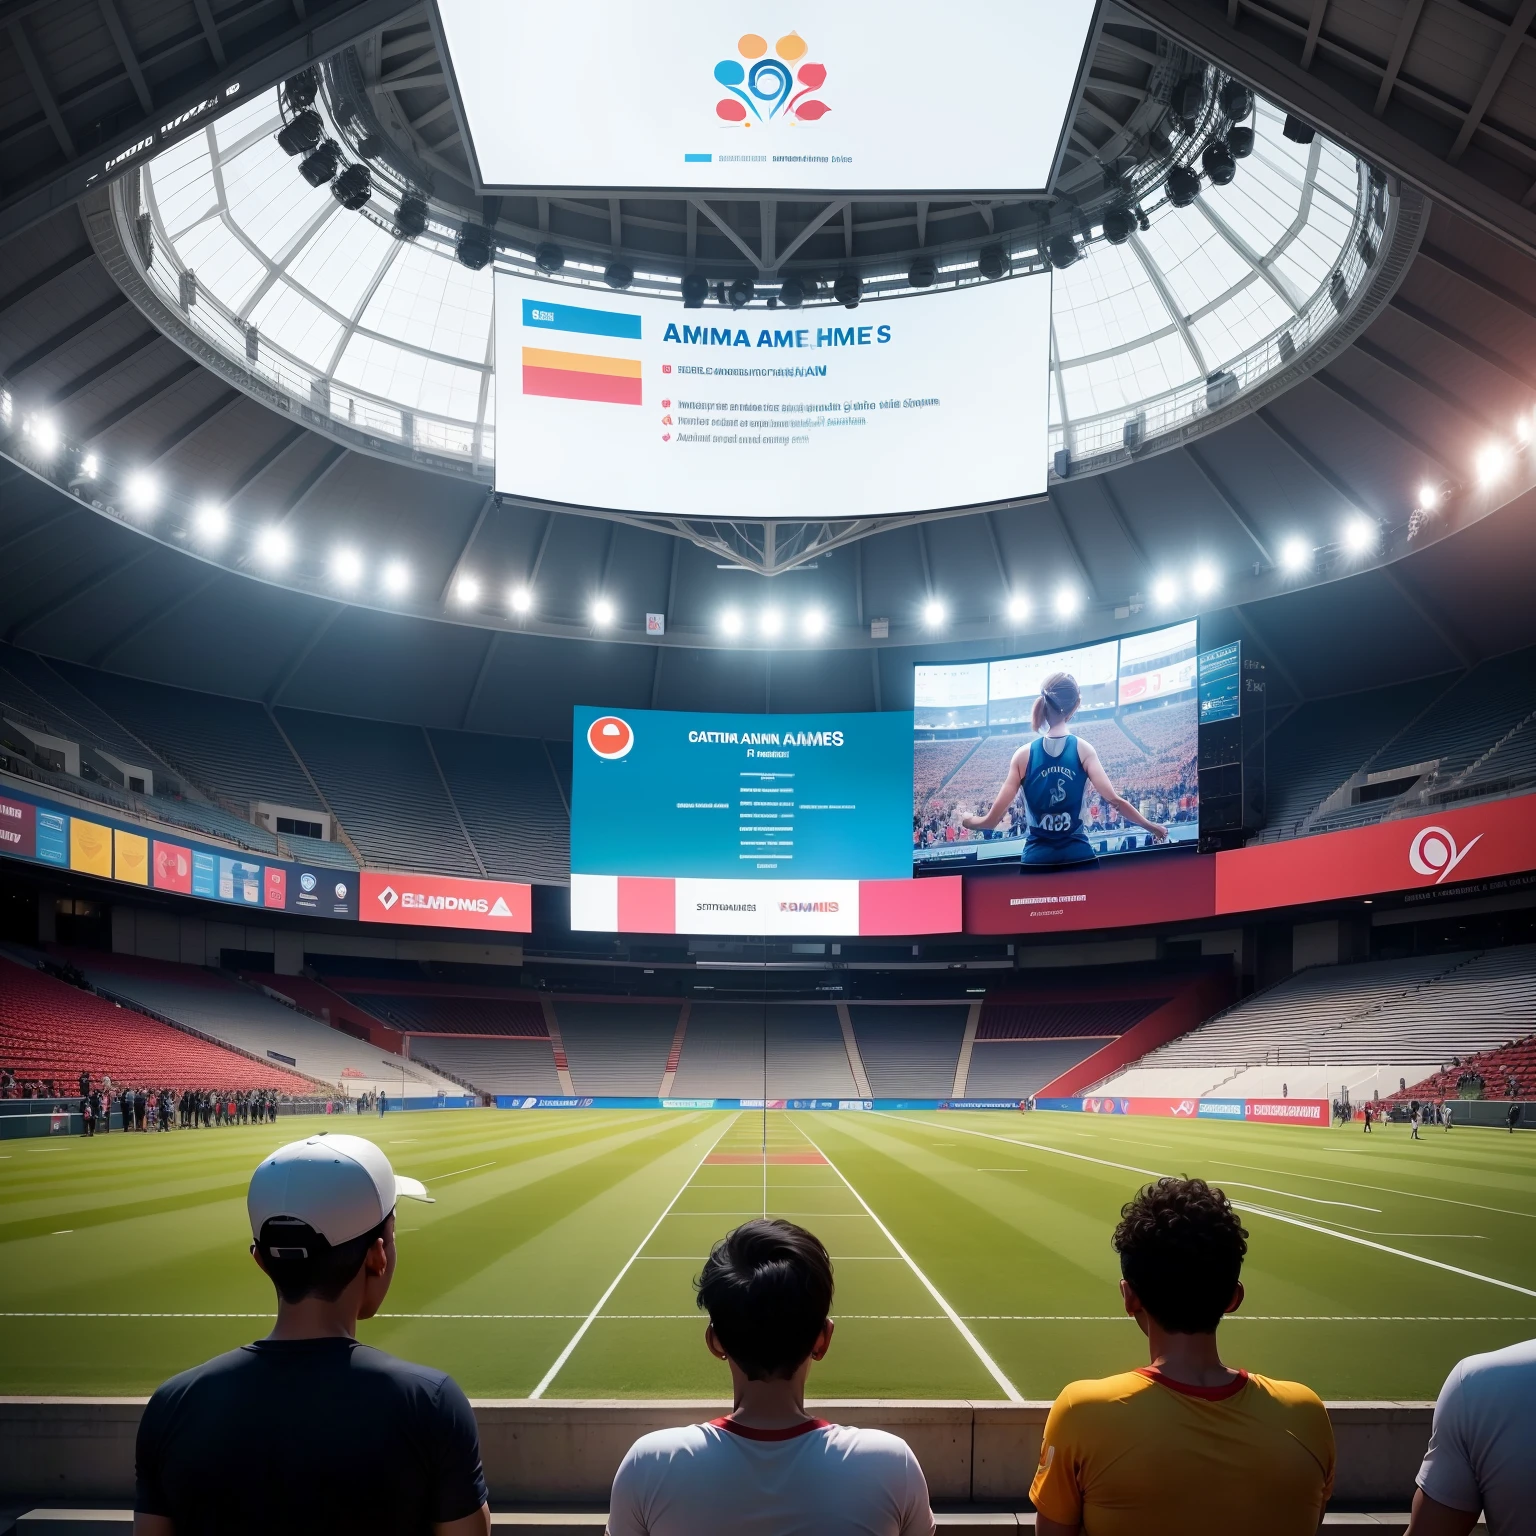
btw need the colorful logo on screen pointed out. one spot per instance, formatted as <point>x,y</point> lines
<point>569,371</point>
<point>610,737</point>
<point>763,89</point>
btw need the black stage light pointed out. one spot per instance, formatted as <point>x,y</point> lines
<point>1061,462</point>
<point>411,216</point>
<point>1240,141</point>
<point>353,187</point>
<point>548,257</point>
<point>300,135</point>
<point>992,262</point>
<point>1219,164</point>
<point>318,168</point>
<point>299,90</point>
<point>1063,251</point>
<point>1183,186</point>
<point>370,146</point>
<point>695,291</point>
<point>1118,223</point>
<point>1338,291</point>
<point>1236,100</point>
<point>922,272</point>
<point>791,293</point>
<point>1286,347</point>
<point>1297,131</point>
<point>619,275</point>
<point>740,293</point>
<point>848,290</point>
<point>474,246</point>
<point>1188,98</point>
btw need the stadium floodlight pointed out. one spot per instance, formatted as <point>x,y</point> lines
<point>1295,556</point>
<point>1068,601</point>
<point>520,600</point>
<point>1492,464</point>
<point>90,467</point>
<point>1359,535</point>
<point>1429,497</point>
<point>396,578</point>
<point>602,612</point>
<point>730,623</point>
<point>934,613</point>
<point>44,432</point>
<point>1204,578</point>
<point>771,622</point>
<point>1523,428</point>
<point>1165,591</point>
<point>346,566</point>
<point>210,522</point>
<point>273,547</point>
<point>813,623</point>
<point>141,491</point>
<point>466,591</point>
<point>1019,608</point>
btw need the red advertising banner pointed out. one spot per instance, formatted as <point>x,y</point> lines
<point>1117,893</point>
<point>445,901</point>
<point>1287,1111</point>
<point>1180,1109</point>
<point>1495,838</point>
<point>894,908</point>
<point>18,828</point>
<point>172,867</point>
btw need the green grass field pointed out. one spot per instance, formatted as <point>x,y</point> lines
<point>972,1250</point>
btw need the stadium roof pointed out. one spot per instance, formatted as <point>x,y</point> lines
<point>1434,372</point>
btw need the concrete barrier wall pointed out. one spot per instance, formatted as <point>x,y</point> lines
<point>81,1449</point>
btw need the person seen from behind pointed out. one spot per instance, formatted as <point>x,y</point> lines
<point>1479,1458</point>
<point>1186,1443</point>
<point>307,1430</point>
<point>769,1468</point>
<point>1054,771</point>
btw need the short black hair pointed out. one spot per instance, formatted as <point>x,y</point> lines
<point>767,1287</point>
<point>1181,1250</point>
<point>302,1263</point>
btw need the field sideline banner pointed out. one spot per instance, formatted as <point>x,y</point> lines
<point>581,1101</point>
<point>1272,1111</point>
<point>159,857</point>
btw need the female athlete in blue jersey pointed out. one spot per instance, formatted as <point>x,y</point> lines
<point>1054,771</point>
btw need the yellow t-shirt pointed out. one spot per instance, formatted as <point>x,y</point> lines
<point>1139,1455</point>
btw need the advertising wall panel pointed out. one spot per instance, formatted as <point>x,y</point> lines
<point>1309,1112</point>
<point>446,901</point>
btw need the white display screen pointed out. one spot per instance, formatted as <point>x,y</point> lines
<point>838,97</point>
<point>634,403</point>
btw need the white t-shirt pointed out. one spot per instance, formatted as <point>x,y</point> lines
<point>1479,1453</point>
<point>816,1479</point>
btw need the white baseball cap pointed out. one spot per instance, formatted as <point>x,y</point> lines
<point>340,1186</point>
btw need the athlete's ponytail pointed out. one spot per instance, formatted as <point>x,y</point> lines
<point>1059,697</point>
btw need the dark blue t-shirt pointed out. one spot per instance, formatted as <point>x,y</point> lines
<point>309,1435</point>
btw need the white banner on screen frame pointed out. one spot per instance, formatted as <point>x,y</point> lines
<point>633,403</point>
<point>695,95</point>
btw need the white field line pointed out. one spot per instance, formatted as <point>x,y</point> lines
<point>576,1338</point>
<point>862,1317</point>
<point>1259,1210</point>
<point>1010,1391</point>
<point>474,1168</point>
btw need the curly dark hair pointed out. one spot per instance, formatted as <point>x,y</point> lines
<point>1181,1250</point>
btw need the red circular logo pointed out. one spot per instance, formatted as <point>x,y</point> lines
<point>610,737</point>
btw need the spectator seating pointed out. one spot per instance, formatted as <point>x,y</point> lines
<point>1021,1045</point>
<point>724,1052</point>
<point>316,850</point>
<point>383,784</point>
<point>1066,1020</point>
<point>934,761</point>
<point>492,1065</point>
<point>36,687</point>
<point>1508,1071</point>
<point>506,791</point>
<point>909,1052</point>
<point>49,1029</point>
<point>461,1013</point>
<point>1014,1069</point>
<point>217,1005</point>
<point>615,1049</point>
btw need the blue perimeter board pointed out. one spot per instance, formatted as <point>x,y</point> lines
<point>640,814</point>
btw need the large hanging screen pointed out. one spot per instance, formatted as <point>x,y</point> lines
<point>636,404</point>
<point>1139,709</point>
<point>837,97</point>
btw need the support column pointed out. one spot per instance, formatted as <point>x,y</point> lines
<point>963,1066</point>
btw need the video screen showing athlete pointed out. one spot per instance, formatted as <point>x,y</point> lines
<point>1054,771</point>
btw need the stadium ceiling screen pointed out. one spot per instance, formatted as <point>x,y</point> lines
<point>1138,709</point>
<point>636,404</point>
<point>696,96</point>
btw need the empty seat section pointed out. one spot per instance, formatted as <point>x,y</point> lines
<point>316,850</point>
<point>506,791</point>
<point>725,1052</point>
<point>381,781</point>
<point>909,1053</point>
<point>49,1029</point>
<point>242,1015</point>
<point>78,716</point>
<point>453,1015</point>
<point>1016,1068</point>
<point>493,1066</point>
<point>617,1049</point>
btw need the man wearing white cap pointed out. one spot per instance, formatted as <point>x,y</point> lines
<point>307,1430</point>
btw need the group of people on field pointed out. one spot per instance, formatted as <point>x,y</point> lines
<point>144,1109</point>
